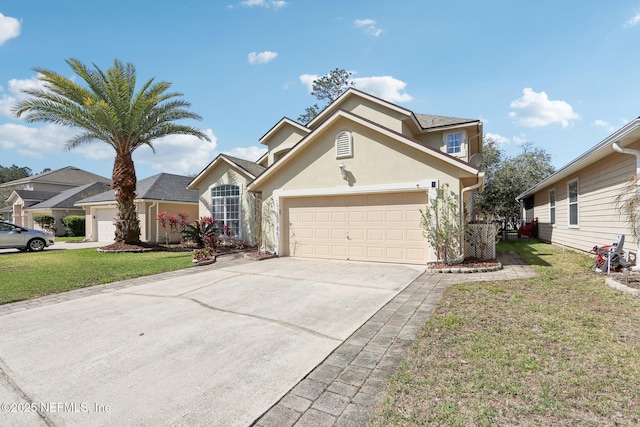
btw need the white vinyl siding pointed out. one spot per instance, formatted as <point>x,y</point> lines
<point>598,217</point>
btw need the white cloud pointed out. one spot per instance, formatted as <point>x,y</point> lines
<point>633,21</point>
<point>603,124</point>
<point>520,139</point>
<point>535,109</point>
<point>268,4</point>
<point>9,28</point>
<point>499,139</point>
<point>15,88</point>
<point>34,141</point>
<point>179,154</point>
<point>262,57</point>
<point>369,26</point>
<point>385,87</point>
<point>252,153</point>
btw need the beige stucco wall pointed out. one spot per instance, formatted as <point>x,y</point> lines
<point>282,141</point>
<point>375,112</point>
<point>57,214</point>
<point>598,218</point>
<point>377,160</point>
<point>223,173</point>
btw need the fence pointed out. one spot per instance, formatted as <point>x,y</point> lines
<point>480,241</point>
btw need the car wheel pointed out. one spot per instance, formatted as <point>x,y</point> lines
<point>36,245</point>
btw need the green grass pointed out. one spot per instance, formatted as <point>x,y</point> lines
<point>31,275</point>
<point>558,349</point>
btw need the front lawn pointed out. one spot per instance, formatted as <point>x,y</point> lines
<point>31,275</point>
<point>559,349</point>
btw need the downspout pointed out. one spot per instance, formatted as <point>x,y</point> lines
<point>475,186</point>
<point>636,153</point>
<point>151,206</point>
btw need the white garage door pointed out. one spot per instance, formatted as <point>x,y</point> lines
<point>106,227</point>
<point>372,227</point>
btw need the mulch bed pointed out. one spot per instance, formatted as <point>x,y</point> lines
<point>631,280</point>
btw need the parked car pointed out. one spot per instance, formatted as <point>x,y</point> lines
<point>24,239</point>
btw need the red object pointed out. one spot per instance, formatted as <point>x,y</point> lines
<point>527,229</point>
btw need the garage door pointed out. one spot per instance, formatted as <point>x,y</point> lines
<point>106,227</point>
<point>372,227</point>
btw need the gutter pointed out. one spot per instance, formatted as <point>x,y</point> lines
<point>479,184</point>
<point>616,146</point>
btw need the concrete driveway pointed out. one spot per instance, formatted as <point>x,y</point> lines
<point>218,347</point>
<point>61,246</point>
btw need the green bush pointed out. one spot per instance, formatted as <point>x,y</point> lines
<point>74,224</point>
<point>46,222</point>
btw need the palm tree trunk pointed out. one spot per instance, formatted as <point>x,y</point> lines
<point>123,182</point>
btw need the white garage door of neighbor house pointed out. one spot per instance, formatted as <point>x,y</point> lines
<point>106,227</point>
<point>371,227</point>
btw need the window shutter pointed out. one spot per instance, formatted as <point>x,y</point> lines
<point>344,145</point>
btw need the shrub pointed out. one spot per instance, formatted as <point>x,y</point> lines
<point>203,232</point>
<point>74,224</point>
<point>46,222</point>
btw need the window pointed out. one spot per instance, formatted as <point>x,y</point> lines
<point>225,208</point>
<point>552,207</point>
<point>454,143</point>
<point>344,144</point>
<point>572,200</point>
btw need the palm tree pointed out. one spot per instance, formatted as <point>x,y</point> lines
<point>110,110</point>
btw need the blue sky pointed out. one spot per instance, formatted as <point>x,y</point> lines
<point>562,75</point>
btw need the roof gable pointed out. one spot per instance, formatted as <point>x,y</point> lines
<point>282,124</point>
<point>68,198</point>
<point>68,175</point>
<point>246,167</point>
<point>396,136</point>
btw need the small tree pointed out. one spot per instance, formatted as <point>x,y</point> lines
<point>441,224</point>
<point>171,224</point>
<point>46,222</point>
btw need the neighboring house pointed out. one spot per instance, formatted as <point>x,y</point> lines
<point>351,183</point>
<point>575,206</point>
<point>223,194</point>
<point>39,188</point>
<point>63,204</point>
<point>159,193</point>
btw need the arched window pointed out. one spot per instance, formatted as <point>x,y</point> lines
<point>225,208</point>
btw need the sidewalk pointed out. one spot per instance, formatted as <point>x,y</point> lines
<point>347,386</point>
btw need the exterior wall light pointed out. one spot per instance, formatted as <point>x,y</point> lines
<point>343,171</point>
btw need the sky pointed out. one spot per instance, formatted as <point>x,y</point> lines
<point>561,75</point>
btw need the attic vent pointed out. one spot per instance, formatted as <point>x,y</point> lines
<point>344,144</point>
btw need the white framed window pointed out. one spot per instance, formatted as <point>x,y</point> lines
<point>552,207</point>
<point>572,203</point>
<point>226,208</point>
<point>344,144</point>
<point>455,143</point>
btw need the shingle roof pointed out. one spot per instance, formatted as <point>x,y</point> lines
<point>428,121</point>
<point>36,195</point>
<point>68,175</point>
<point>164,186</point>
<point>249,166</point>
<point>68,198</point>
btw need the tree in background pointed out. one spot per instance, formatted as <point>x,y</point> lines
<point>110,110</point>
<point>328,88</point>
<point>11,173</point>
<point>507,178</point>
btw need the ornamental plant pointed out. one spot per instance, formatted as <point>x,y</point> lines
<point>202,232</point>
<point>171,224</point>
